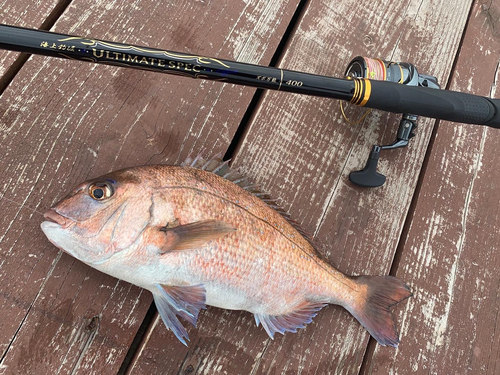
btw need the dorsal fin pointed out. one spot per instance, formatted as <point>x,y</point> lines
<point>221,168</point>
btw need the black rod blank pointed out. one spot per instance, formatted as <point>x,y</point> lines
<point>386,96</point>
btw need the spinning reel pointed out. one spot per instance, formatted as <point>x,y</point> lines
<point>402,73</point>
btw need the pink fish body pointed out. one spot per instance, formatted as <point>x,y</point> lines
<point>194,238</point>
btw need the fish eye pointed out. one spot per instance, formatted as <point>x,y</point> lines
<point>100,191</point>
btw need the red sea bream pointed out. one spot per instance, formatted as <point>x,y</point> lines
<point>198,235</point>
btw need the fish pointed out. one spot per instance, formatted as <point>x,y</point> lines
<point>200,234</point>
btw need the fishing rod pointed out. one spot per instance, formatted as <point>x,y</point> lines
<point>372,83</point>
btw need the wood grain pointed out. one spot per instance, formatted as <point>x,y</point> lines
<point>62,122</point>
<point>451,254</point>
<point>25,14</point>
<point>301,150</point>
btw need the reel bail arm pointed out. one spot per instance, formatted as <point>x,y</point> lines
<point>402,73</point>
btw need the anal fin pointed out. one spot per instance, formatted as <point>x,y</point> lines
<point>290,322</point>
<point>183,301</point>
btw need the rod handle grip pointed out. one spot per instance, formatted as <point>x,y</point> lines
<point>440,104</point>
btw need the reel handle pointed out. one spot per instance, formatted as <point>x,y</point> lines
<point>398,87</point>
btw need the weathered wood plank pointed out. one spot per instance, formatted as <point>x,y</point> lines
<point>62,122</point>
<point>25,14</point>
<point>451,253</point>
<point>301,151</point>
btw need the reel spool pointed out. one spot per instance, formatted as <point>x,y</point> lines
<point>402,73</point>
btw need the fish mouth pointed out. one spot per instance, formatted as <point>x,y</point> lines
<point>54,217</point>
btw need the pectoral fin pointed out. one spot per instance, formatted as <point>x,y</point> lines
<point>183,301</point>
<point>194,235</point>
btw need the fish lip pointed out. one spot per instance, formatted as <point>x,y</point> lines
<point>55,217</point>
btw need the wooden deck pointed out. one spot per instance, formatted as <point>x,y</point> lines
<point>435,223</point>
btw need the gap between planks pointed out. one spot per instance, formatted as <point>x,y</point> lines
<point>46,25</point>
<point>241,131</point>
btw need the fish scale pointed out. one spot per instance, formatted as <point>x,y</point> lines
<point>284,254</point>
<point>200,234</point>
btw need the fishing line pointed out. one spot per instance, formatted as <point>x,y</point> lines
<point>22,205</point>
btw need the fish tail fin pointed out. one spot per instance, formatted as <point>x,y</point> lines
<point>373,311</point>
